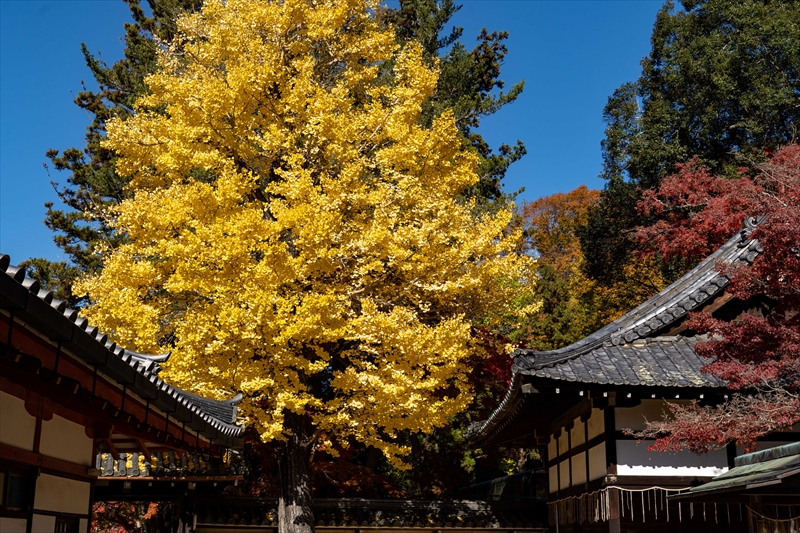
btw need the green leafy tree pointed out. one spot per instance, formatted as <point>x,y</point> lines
<point>722,82</point>
<point>469,85</point>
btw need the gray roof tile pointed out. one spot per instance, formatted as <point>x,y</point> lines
<point>691,291</point>
<point>663,361</point>
<point>656,314</point>
<point>218,414</point>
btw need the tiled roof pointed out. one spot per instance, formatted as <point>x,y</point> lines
<point>627,352</point>
<point>656,362</point>
<point>53,319</point>
<point>689,293</point>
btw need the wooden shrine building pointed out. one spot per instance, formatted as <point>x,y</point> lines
<point>574,403</point>
<point>76,411</point>
<point>84,420</point>
<point>766,483</point>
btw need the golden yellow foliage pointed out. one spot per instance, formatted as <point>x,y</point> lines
<point>294,233</point>
<point>551,226</point>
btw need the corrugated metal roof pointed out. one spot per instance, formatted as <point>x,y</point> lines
<point>752,471</point>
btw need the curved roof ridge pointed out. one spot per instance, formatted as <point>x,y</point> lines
<point>685,294</point>
<point>206,403</point>
<point>220,415</point>
<point>156,358</point>
<point>481,429</point>
<point>149,362</point>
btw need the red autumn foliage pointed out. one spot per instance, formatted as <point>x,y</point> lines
<point>697,211</point>
<point>132,517</point>
<point>758,355</point>
<point>489,376</point>
<point>741,419</point>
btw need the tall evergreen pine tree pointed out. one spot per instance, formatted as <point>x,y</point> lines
<point>722,82</point>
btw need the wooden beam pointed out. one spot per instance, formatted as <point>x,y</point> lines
<point>583,406</point>
<point>112,449</point>
<point>681,326</point>
<point>173,479</point>
<point>142,448</point>
<point>11,453</point>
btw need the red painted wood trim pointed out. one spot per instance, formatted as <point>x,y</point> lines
<point>172,479</point>
<point>143,448</point>
<point>31,344</point>
<point>112,449</point>
<point>69,407</point>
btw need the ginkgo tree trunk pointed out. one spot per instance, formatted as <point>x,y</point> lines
<point>295,235</point>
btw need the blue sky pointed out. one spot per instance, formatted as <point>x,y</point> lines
<point>571,54</point>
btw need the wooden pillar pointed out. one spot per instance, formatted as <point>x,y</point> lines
<point>30,488</point>
<point>730,450</point>
<point>556,436</point>
<point>609,427</point>
<point>585,419</point>
<point>613,511</point>
<point>568,429</point>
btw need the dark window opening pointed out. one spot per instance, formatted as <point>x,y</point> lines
<point>67,524</point>
<point>15,493</point>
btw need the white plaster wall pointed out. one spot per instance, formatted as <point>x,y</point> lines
<point>564,477</point>
<point>61,495</point>
<point>17,427</point>
<point>597,461</point>
<point>553,471</point>
<point>66,440</point>
<point>563,443</point>
<point>596,423</point>
<point>579,468</point>
<point>43,524</point>
<point>634,417</point>
<point>577,433</point>
<point>552,448</point>
<point>83,525</point>
<point>14,525</point>
<point>634,460</point>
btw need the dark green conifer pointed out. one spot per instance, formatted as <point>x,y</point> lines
<point>722,82</point>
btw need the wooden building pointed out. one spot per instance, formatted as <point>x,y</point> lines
<point>765,483</point>
<point>68,396</point>
<point>575,404</point>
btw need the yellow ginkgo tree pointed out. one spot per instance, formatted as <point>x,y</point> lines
<point>295,235</point>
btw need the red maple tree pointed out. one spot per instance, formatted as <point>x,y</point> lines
<point>132,517</point>
<point>757,355</point>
